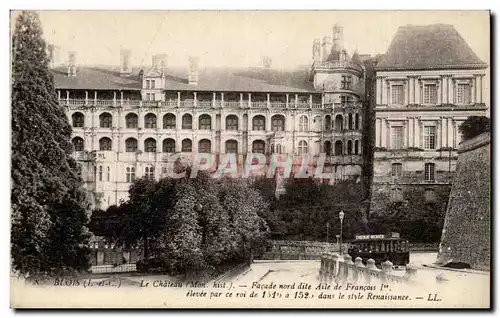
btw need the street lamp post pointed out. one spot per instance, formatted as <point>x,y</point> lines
<point>328,232</point>
<point>341,217</point>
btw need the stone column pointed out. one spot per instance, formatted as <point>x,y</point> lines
<point>121,97</point>
<point>241,100</point>
<point>418,99</point>
<point>450,133</point>
<point>178,99</point>
<point>385,91</point>
<point>377,132</point>
<point>213,99</point>
<point>444,81</point>
<point>383,134</point>
<point>378,91</point>
<point>444,130</point>
<point>221,99</point>
<point>418,126</point>
<point>439,92</point>
<point>410,132</point>
<point>195,99</point>
<point>86,97</point>
<point>268,100</point>
<point>287,96</point>
<point>451,90</point>
<point>296,99</point>
<point>114,98</point>
<point>411,90</point>
<point>249,100</point>
<point>473,91</point>
<point>67,96</point>
<point>406,92</point>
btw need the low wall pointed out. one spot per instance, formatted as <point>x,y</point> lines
<point>109,256</point>
<point>337,268</point>
<point>299,250</point>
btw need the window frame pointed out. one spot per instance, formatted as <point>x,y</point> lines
<point>397,99</point>
<point>430,172</point>
<point>169,121</point>
<point>393,135</point>
<point>428,142</point>
<point>259,121</point>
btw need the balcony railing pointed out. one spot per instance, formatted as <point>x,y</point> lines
<point>203,104</point>
<point>316,106</point>
<point>337,64</point>
<point>187,103</point>
<point>259,104</point>
<point>231,104</point>
<point>303,105</point>
<point>278,105</point>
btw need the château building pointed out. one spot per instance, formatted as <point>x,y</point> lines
<point>127,121</point>
<point>428,82</point>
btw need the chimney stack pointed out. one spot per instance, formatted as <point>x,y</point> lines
<point>53,52</point>
<point>327,47</point>
<point>267,62</point>
<point>317,50</point>
<point>193,70</point>
<point>159,62</point>
<point>72,63</point>
<point>338,37</point>
<point>125,67</point>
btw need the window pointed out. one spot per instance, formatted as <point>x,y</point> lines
<point>303,123</point>
<point>279,148</point>
<point>153,82</point>
<point>131,120</point>
<point>397,169</point>
<point>430,195</point>
<point>100,173</point>
<point>430,172</point>
<point>148,84</point>
<point>278,123</point>
<point>345,100</point>
<point>204,146</point>
<point>231,146</point>
<point>187,121</point>
<point>150,121</point>
<point>356,147</point>
<point>339,123</point>
<point>429,137</point>
<point>77,144</point>
<point>95,173</point>
<point>78,120</point>
<point>169,145</point>
<point>258,146</point>
<point>349,118</point>
<point>397,195</point>
<point>231,122</point>
<point>205,122</point>
<point>187,145</point>
<point>338,148</point>
<point>356,122</point>
<point>148,96</point>
<point>327,147</point>
<point>131,145</point>
<point>349,147</point>
<point>328,122</point>
<point>150,145</point>
<point>397,137</point>
<point>259,123</point>
<point>105,120</point>
<point>149,173</point>
<point>105,144</point>
<point>302,147</point>
<point>430,94</point>
<point>169,121</point>
<point>397,94</point>
<point>346,82</point>
<point>108,175</point>
<point>130,174</point>
<point>463,94</point>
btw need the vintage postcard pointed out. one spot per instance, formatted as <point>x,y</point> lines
<point>250,159</point>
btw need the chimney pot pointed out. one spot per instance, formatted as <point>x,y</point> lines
<point>193,70</point>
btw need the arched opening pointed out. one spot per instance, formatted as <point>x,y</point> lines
<point>328,122</point>
<point>278,123</point>
<point>349,147</point>
<point>131,120</point>
<point>349,118</point>
<point>169,145</point>
<point>303,147</point>
<point>339,123</point>
<point>77,144</point>
<point>105,144</point>
<point>105,120</point>
<point>205,122</point>
<point>338,148</point>
<point>187,145</point>
<point>150,145</point>
<point>131,145</point>
<point>357,149</point>
<point>259,122</point>
<point>187,121</point>
<point>169,121</point>
<point>204,146</point>
<point>231,122</point>
<point>258,146</point>
<point>327,147</point>
<point>231,146</point>
<point>150,121</point>
<point>357,124</point>
<point>78,120</point>
<point>303,123</point>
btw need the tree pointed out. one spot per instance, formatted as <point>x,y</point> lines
<point>474,126</point>
<point>49,206</point>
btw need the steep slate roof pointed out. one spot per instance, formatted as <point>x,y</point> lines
<point>210,79</point>
<point>436,46</point>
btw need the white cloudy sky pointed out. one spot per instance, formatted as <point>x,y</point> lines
<point>239,38</point>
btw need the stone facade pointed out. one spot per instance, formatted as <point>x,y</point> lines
<point>127,123</point>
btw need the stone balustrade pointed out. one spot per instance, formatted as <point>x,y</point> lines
<point>343,269</point>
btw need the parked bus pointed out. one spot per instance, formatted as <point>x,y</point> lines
<point>381,248</point>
